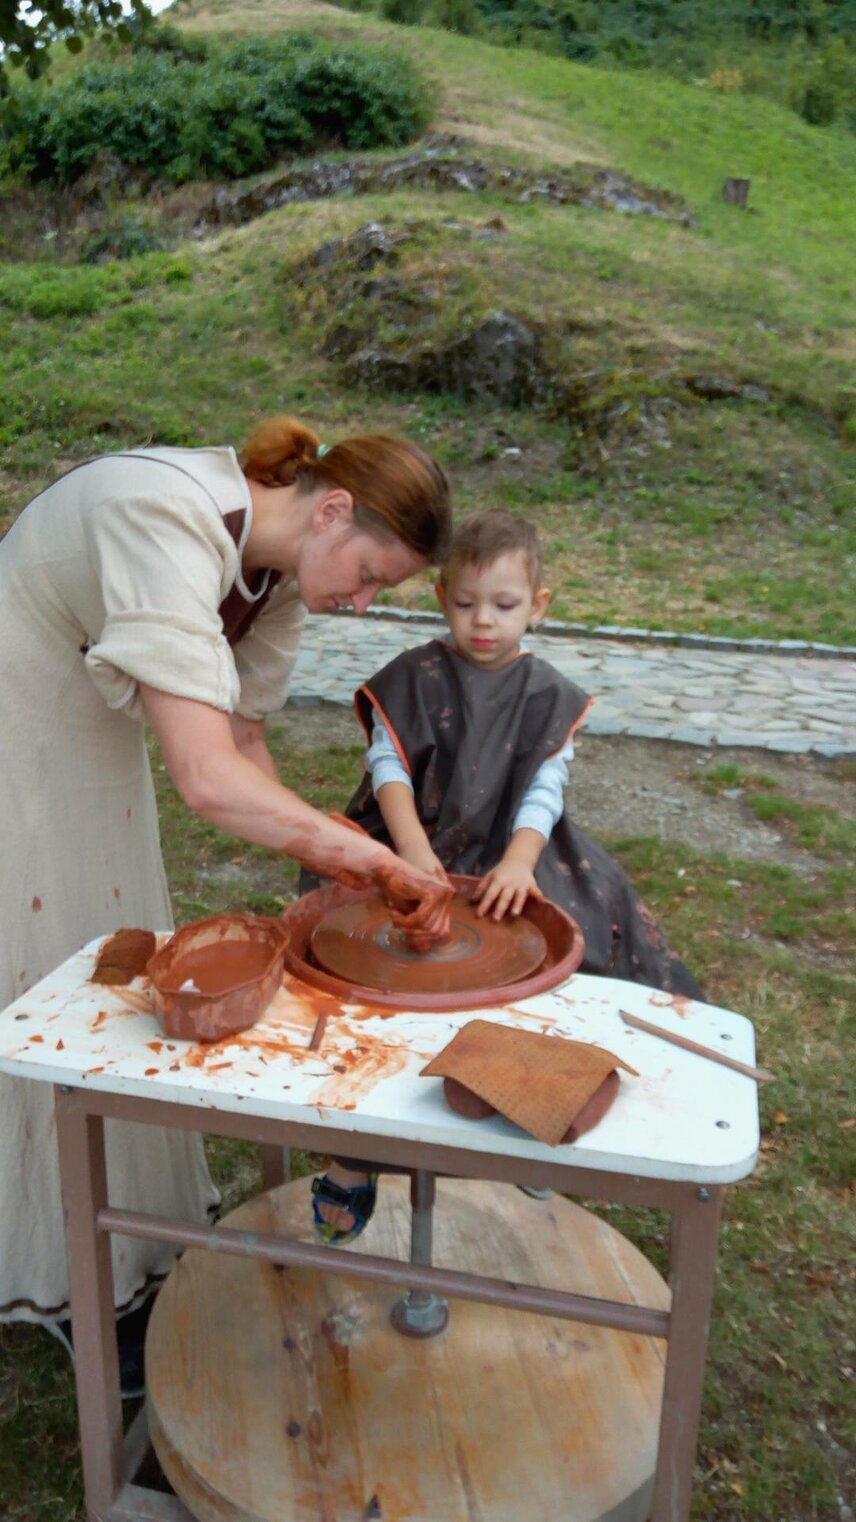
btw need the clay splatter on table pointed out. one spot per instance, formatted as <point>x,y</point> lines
<point>680,1003</point>
<point>366,1065</point>
<point>355,1060</point>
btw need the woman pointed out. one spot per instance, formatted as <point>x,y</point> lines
<point>169,585</point>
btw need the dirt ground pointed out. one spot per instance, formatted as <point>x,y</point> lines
<point>623,786</point>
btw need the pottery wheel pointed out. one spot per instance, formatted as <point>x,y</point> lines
<point>289,1397</point>
<point>360,943</point>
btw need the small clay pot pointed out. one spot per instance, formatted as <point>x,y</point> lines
<point>217,976</point>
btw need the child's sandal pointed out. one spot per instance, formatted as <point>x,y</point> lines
<point>359,1202</point>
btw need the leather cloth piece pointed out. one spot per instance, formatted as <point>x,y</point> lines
<point>541,1083</point>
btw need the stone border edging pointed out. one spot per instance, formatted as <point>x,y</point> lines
<point>715,642</point>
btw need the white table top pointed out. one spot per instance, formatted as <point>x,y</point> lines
<point>684,1117</point>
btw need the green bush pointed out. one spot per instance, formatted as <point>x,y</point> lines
<point>552,25</point>
<point>822,81</point>
<point>461,16</point>
<point>797,52</point>
<point>232,113</point>
<point>349,100</point>
<point>54,292</point>
<point>123,237</point>
<point>818,106</point>
<point>408,12</point>
<point>151,37</point>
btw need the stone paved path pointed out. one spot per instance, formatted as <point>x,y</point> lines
<point>651,689</point>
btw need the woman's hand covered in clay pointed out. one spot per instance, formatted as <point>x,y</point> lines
<point>420,903</point>
<point>419,900</point>
<point>505,889</point>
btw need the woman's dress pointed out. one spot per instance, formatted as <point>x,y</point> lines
<point>126,570</point>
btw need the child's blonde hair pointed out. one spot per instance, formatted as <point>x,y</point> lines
<point>482,538</point>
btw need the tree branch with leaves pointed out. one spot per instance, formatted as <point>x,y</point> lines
<point>28,32</point>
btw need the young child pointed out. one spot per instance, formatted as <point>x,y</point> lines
<point>471,738</point>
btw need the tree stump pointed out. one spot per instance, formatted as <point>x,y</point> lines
<point>736,192</point>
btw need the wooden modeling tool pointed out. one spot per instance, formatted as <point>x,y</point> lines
<point>318,1034</point>
<point>759,1074</point>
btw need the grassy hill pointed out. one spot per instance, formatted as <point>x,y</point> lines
<point>690,461</point>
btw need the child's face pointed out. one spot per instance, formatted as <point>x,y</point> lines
<point>489,607</point>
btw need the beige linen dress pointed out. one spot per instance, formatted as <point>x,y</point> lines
<point>115,575</point>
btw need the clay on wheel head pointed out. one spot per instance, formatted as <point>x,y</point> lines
<point>361,941</point>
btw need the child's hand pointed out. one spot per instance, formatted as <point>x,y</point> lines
<point>420,855</point>
<point>505,889</point>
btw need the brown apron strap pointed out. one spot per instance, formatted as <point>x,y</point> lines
<point>236,613</point>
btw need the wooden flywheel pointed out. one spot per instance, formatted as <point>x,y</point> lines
<point>283,1395</point>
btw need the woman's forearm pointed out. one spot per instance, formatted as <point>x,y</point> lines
<point>232,793</point>
<point>222,785</point>
<point>235,796</point>
<point>249,737</point>
<point>220,782</point>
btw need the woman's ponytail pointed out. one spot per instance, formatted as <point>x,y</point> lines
<point>277,450</point>
<point>399,491</point>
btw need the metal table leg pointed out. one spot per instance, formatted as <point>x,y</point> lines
<point>421,1313</point>
<point>692,1270</point>
<point>83,1173</point>
<point>276,1165</point>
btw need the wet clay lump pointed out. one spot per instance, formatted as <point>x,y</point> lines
<point>124,957</point>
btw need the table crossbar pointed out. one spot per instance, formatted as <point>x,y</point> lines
<point>440,1281</point>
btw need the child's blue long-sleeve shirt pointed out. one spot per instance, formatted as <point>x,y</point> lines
<point>542,803</point>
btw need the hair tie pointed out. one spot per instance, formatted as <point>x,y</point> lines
<point>321,451</point>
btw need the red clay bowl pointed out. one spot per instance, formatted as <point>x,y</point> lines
<point>233,964</point>
<point>564,938</point>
